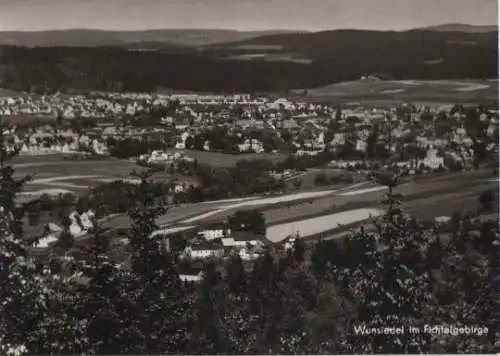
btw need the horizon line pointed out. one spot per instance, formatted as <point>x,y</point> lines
<point>243,30</point>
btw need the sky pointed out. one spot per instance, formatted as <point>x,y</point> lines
<point>312,15</point>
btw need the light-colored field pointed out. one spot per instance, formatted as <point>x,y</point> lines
<point>74,175</point>
<point>125,180</point>
<point>392,91</point>
<point>320,224</point>
<point>474,87</point>
<point>425,196</point>
<point>172,230</point>
<point>260,202</point>
<point>362,191</point>
<point>234,200</point>
<point>389,93</point>
<point>7,93</point>
<point>58,179</point>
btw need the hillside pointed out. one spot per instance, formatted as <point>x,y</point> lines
<point>464,28</point>
<point>277,62</point>
<point>96,38</point>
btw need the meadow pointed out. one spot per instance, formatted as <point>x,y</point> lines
<point>55,172</point>
<point>224,160</point>
<point>313,226</point>
<point>382,93</point>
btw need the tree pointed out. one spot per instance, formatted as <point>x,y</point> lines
<point>159,304</point>
<point>470,298</point>
<point>325,256</point>
<point>487,199</point>
<point>77,127</point>
<point>198,142</point>
<point>338,114</point>
<point>320,179</point>
<point>34,217</point>
<point>235,274</point>
<point>209,333</point>
<point>21,304</point>
<point>390,282</point>
<point>248,220</point>
<point>189,143</point>
<point>101,296</point>
<point>371,143</point>
<point>65,241</point>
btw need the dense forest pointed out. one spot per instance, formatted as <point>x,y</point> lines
<point>335,56</point>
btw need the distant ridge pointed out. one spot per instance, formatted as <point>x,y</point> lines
<point>100,38</point>
<point>175,37</point>
<point>457,27</point>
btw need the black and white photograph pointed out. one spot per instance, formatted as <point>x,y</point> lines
<point>249,177</point>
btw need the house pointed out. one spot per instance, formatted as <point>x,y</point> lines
<point>204,250</point>
<point>289,242</point>
<point>212,234</point>
<point>181,143</point>
<point>52,235</point>
<point>442,219</point>
<point>191,277</point>
<point>247,255</point>
<point>243,239</point>
<point>80,224</point>
<point>251,145</point>
<point>26,109</point>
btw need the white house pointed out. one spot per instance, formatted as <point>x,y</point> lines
<point>191,277</point>
<point>182,143</point>
<point>442,219</point>
<point>203,251</point>
<point>212,234</point>
<point>251,145</point>
<point>80,224</point>
<point>52,236</point>
<point>246,255</point>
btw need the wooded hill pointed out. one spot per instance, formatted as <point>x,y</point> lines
<point>333,56</point>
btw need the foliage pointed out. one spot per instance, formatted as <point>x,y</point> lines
<point>487,199</point>
<point>21,304</point>
<point>248,220</point>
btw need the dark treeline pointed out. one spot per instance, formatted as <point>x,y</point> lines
<point>119,69</point>
<point>336,55</point>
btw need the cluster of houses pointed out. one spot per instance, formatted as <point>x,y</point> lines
<point>304,128</point>
<point>44,140</point>
<point>160,156</point>
<point>79,225</point>
<point>219,241</point>
<point>201,243</point>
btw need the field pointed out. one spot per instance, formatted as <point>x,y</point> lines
<point>428,197</point>
<point>7,93</point>
<point>313,226</point>
<point>26,119</point>
<point>424,197</point>
<point>223,160</point>
<point>388,93</point>
<point>56,174</point>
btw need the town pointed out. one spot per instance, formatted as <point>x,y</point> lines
<point>291,147</point>
<point>249,177</point>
